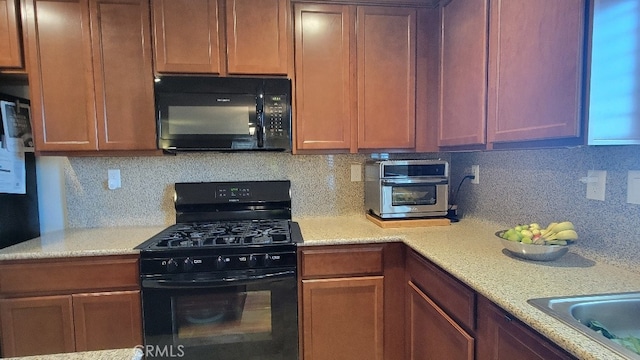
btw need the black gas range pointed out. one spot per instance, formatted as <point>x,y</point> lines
<point>223,278</point>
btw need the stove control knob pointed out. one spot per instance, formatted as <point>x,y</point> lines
<point>253,260</point>
<point>188,264</point>
<point>267,260</point>
<point>219,263</point>
<point>172,265</point>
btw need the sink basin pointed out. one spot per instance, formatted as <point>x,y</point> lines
<point>618,313</point>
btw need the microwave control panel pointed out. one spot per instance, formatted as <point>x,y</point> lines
<point>276,113</point>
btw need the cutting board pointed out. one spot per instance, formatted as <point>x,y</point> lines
<point>406,223</point>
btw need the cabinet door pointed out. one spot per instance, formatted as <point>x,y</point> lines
<point>61,75</point>
<point>500,337</point>
<point>432,334</point>
<point>257,36</point>
<point>535,69</point>
<point>10,54</point>
<point>463,73</point>
<point>123,74</point>
<point>342,318</point>
<point>386,53</point>
<point>36,326</point>
<point>186,36</point>
<point>324,65</point>
<point>110,320</point>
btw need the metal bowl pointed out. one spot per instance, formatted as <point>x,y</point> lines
<point>533,252</point>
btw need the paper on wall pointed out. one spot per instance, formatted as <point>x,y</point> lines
<point>12,172</point>
<point>16,123</point>
<point>16,139</point>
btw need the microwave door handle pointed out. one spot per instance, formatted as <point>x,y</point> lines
<point>260,119</point>
<point>413,182</point>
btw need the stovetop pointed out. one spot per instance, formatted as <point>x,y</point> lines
<point>225,227</point>
<point>216,234</point>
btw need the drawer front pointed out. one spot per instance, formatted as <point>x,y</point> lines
<point>68,275</point>
<point>455,298</point>
<point>341,261</point>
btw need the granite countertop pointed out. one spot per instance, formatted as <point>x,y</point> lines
<point>115,354</point>
<point>82,242</point>
<point>468,250</point>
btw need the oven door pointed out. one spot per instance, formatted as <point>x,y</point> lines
<point>414,198</point>
<point>238,316</point>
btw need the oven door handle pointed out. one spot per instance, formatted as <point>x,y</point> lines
<point>413,182</point>
<point>213,283</point>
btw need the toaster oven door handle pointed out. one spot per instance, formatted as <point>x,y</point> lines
<point>414,182</point>
<point>214,283</point>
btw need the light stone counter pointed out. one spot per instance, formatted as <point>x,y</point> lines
<point>116,354</point>
<point>81,242</point>
<point>470,251</point>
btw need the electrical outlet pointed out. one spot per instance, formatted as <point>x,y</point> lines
<point>475,171</point>
<point>356,172</point>
<point>113,179</point>
<point>596,184</point>
<point>633,187</point>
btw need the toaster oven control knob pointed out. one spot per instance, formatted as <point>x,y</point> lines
<point>188,264</point>
<point>172,265</point>
<point>219,263</point>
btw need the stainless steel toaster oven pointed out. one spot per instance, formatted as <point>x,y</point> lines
<point>407,188</point>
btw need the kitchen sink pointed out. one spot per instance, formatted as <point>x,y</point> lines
<point>618,313</point>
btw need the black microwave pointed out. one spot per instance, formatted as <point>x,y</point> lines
<point>223,114</point>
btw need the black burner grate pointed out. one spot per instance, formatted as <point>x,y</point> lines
<point>211,234</point>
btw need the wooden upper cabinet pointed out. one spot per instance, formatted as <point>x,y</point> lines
<point>535,69</point>
<point>349,96</point>
<point>61,85</point>
<point>187,36</point>
<point>386,53</point>
<point>257,36</point>
<point>324,81</point>
<point>123,74</point>
<point>90,75</point>
<point>221,36</point>
<point>10,48</point>
<point>463,72</point>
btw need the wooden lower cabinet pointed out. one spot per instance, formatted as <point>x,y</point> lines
<point>432,334</point>
<point>502,337</point>
<point>37,325</point>
<point>68,323</point>
<point>351,302</point>
<point>386,301</point>
<point>343,318</point>
<point>64,305</point>
<point>109,320</point>
<point>440,313</point>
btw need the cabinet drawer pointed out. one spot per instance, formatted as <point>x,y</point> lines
<point>341,261</point>
<point>447,292</point>
<point>68,275</point>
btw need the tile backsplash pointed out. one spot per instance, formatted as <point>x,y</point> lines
<point>544,185</point>
<point>321,184</point>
